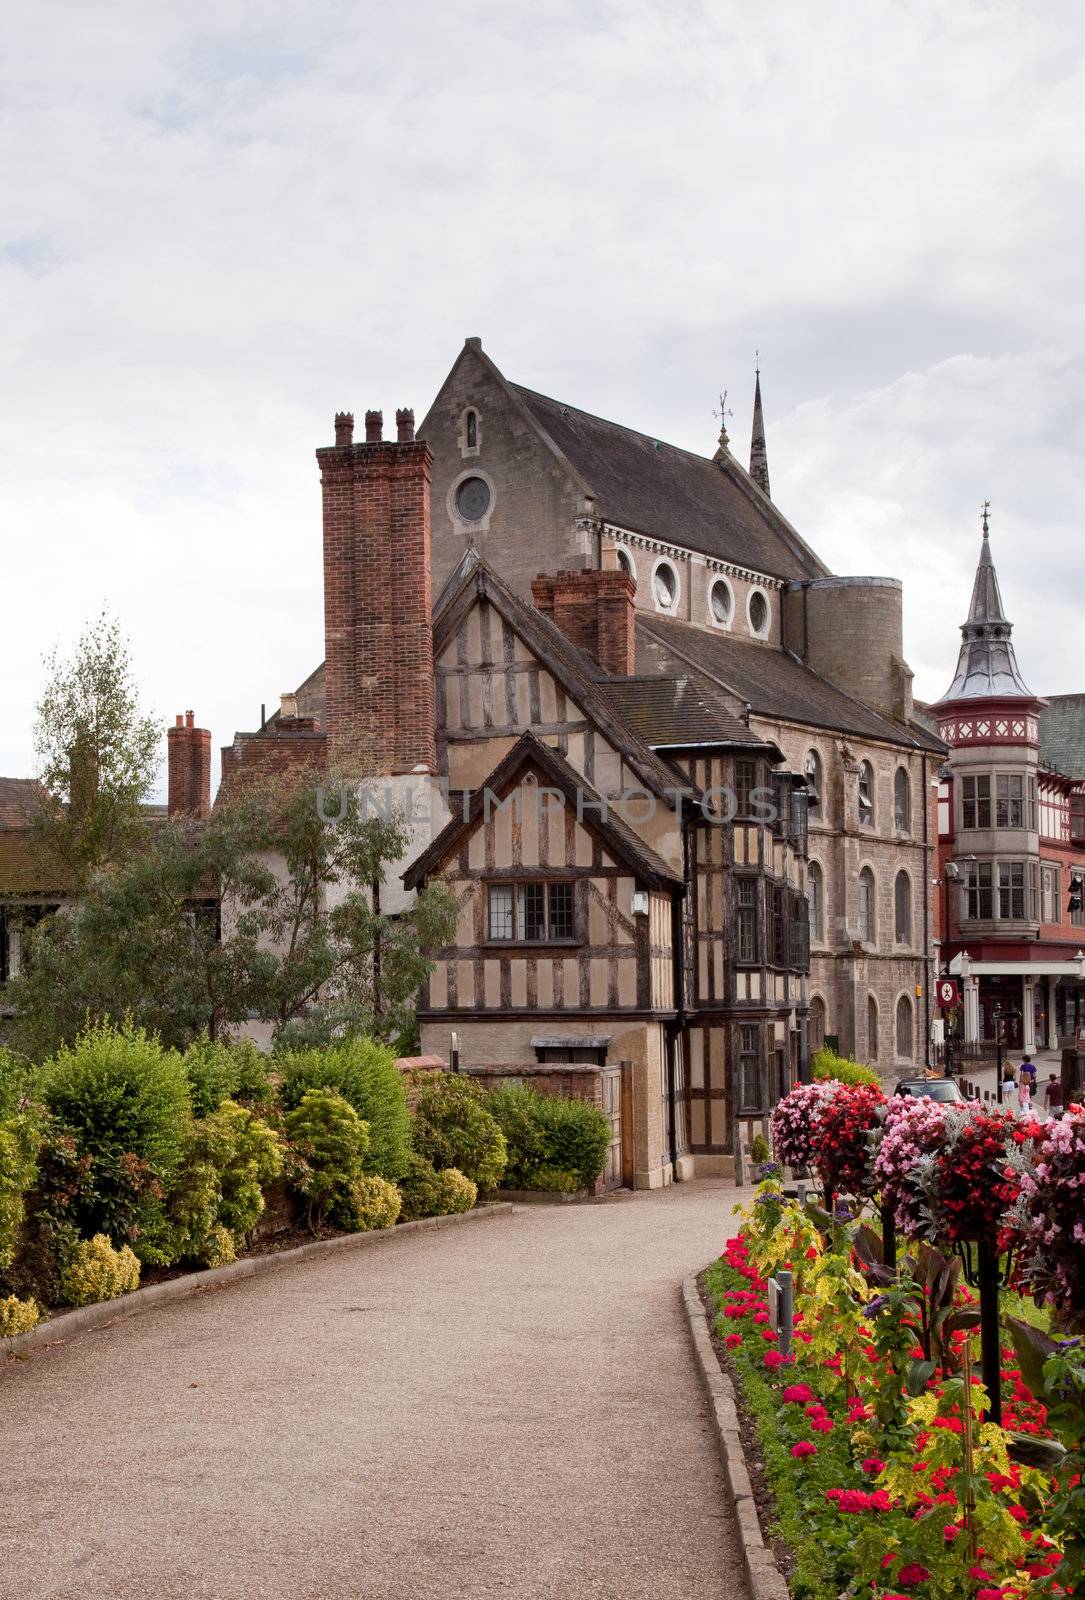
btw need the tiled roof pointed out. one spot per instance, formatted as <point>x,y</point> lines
<point>18,799</point>
<point>1062,734</point>
<point>671,712</point>
<point>650,487</point>
<point>773,682</point>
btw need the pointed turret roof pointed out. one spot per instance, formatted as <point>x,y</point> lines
<point>759,455</point>
<point>987,665</point>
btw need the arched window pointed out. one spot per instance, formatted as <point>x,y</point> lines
<point>902,801</point>
<point>472,430</point>
<point>905,1029</point>
<point>866,795</point>
<point>815,1031</point>
<point>625,562</point>
<point>871,1028</point>
<point>867,924</point>
<point>902,904</point>
<point>812,770</point>
<point>815,894</point>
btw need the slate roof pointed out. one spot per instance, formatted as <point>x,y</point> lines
<point>987,665</point>
<point>773,682</point>
<point>1062,734</point>
<point>530,752</point>
<point>18,798</point>
<point>678,712</point>
<point>650,487</point>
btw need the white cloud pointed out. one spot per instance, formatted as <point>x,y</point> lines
<point>223,222</point>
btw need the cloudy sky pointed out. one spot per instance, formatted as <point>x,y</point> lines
<point>223,222</point>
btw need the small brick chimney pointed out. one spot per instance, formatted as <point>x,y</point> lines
<point>188,751</point>
<point>595,611</point>
<point>378,627</point>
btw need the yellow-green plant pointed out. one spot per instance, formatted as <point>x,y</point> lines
<point>95,1271</point>
<point>457,1192</point>
<point>231,1156</point>
<point>779,1232</point>
<point>17,1316</point>
<point>330,1141</point>
<point>835,1317</point>
<point>377,1203</point>
<point>18,1165</point>
<point>219,1248</point>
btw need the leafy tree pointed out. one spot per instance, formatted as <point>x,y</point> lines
<point>98,754</point>
<point>298,943</point>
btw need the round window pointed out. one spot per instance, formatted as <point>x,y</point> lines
<point>665,585</point>
<point>759,612</point>
<point>473,499</point>
<point>722,603</point>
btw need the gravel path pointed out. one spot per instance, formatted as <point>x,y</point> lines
<point>504,1409</point>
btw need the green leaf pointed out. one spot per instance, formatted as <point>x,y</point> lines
<point>1032,1347</point>
<point>918,1375</point>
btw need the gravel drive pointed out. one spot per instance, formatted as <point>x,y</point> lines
<point>507,1408</point>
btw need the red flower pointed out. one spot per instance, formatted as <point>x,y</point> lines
<point>803,1448</point>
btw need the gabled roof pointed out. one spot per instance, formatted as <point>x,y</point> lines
<point>1062,734</point>
<point>19,799</point>
<point>773,682</point>
<point>530,753</point>
<point>579,675</point>
<point>681,713</point>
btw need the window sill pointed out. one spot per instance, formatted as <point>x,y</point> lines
<point>532,944</point>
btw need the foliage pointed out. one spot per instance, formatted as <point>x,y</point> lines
<point>231,1156</point>
<point>1055,1373</point>
<point>330,1141</point>
<point>795,1120</point>
<point>376,1203</point>
<point>1050,1219</point>
<point>300,948</point>
<point>826,1066</point>
<point>553,1142</point>
<point>15,1083</point>
<point>845,1154</point>
<point>760,1150</point>
<point>778,1232</point>
<point>429,1193</point>
<point>95,1271</point>
<point>17,1316</point>
<point>364,1072</point>
<point>452,1128</point>
<point>455,1191</point>
<point>124,1101</point>
<point>914,1130</point>
<point>98,755</point>
<point>19,1139</point>
<point>219,1070</point>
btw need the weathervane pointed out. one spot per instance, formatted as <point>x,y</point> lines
<point>986,516</point>
<point>723,414</point>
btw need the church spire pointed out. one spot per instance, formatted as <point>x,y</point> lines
<point>759,456</point>
<point>987,665</point>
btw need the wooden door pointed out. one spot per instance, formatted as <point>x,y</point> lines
<point>613,1176</point>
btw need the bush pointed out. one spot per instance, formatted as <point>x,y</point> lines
<point>456,1192</point>
<point>231,1158</point>
<point>95,1271</point>
<point>17,1316</point>
<point>452,1128</point>
<point>330,1142</point>
<point>429,1193</point>
<point>124,1101</point>
<point>760,1150</point>
<point>554,1143</point>
<point>365,1074</point>
<point>218,1071</point>
<point>15,1085</point>
<point>826,1066</point>
<point>377,1203</point>
<point>18,1168</point>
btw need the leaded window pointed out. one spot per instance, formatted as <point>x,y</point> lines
<point>1011,891</point>
<point>866,795</point>
<point>1009,800</point>
<point>747,919</point>
<point>750,1080</point>
<point>976,802</point>
<point>534,913</point>
<point>979,894</point>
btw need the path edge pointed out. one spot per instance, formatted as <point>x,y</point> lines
<point>84,1318</point>
<point>764,1580</point>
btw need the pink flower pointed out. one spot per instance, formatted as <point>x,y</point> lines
<point>804,1448</point>
<point>796,1392</point>
<point>732,1340</point>
<point>951,1532</point>
<point>911,1574</point>
<point>873,1466</point>
<point>773,1359</point>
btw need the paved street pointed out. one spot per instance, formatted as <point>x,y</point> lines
<point>504,1408</point>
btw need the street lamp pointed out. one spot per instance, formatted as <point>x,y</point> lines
<point>951,875</point>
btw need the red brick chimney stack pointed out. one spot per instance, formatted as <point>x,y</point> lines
<point>595,611</point>
<point>378,629</point>
<point>188,759</point>
<point>344,429</point>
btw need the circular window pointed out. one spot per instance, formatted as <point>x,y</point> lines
<point>721,601</point>
<point>759,612</point>
<point>473,499</point>
<point>665,586</point>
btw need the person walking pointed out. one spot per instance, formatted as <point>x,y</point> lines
<point>1053,1096</point>
<point>1009,1088</point>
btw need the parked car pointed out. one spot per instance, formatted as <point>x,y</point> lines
<point>930,1088</point>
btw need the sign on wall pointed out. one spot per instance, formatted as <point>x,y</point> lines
<point>947,994</point>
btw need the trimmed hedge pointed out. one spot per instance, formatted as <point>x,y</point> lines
<point>365,1074</point>
<point>826,1065</point>
<point>452,1128</point>
<point>554,1143</point>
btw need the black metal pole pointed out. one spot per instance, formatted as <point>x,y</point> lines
<point>889,1237</point>
<point>990,1339</point>
<point>998,1052</point>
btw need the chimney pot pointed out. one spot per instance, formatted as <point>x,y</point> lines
<point>190,719</point>
<point>344,429</point>
<point>179,720</point>
<point>288,705</point>
<point>405,425</point>
<point>374,427</point>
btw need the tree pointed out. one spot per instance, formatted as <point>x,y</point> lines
<point>264,911</point>
<point>98,755</point>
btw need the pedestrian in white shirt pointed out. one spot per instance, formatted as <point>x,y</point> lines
<point>1009,1089</point>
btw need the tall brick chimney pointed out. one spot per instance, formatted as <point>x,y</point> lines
<point>378,629</point>
<point>188,751</point>
<point>595,611</point>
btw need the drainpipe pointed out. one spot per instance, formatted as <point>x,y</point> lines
<point>678,963</point>
<point>926,915</point>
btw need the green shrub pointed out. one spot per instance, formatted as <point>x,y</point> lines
<point>366,1075</point>
<point>95,1271</point>
<point>19,1141</point>
<point>554,1143</point>
<point>824,1065</point>
<point>124,1101</point>
<point>420,1190</point>
<point>455,1191</point>
<point>376,1202</point>
<point>219,1071</point>
<point>330,1141</point>
<point>15,1083</point>
<point>17,1316</point>
<point>452,1128</point>
<point>231,1157</point>
<point>760,1150</point>
<point>219,1248</point>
